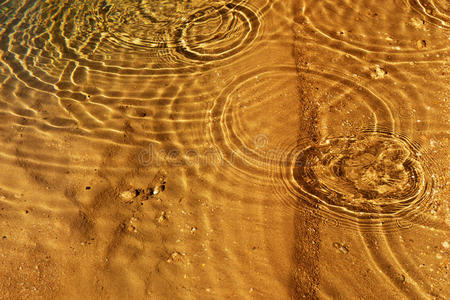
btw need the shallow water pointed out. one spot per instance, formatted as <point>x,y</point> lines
<point>249,149</point>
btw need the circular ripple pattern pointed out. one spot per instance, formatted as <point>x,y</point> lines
<point>253,147</point>
<point>197,29</point>
<point>125,37</point>
<point>369,179</point>
<point>95,61</point>
<point>249,147</point>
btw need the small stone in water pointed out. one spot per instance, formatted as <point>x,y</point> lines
<point>128,195</point>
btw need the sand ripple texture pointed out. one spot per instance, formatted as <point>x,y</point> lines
<point>242,149</point>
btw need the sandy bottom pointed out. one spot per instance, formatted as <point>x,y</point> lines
<point>224,150</point>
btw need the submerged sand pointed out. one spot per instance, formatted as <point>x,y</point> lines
<point>224,150</point>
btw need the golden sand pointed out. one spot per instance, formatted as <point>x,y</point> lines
<point>251,149</point>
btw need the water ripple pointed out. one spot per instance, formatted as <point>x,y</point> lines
<point>366,31</point>
<point>436,12</point>
<point>123,37</point>
<point>370,179</point>
<point>357,174</point>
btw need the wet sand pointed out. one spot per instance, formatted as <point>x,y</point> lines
<point>224,150</point>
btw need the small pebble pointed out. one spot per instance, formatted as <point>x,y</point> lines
<point>421,44</point>
<point>162,217</point>
<point>341,247</point>
<point>378,72</point>
<point>417,23</point>
<point>127,195</point>
<point>175,256</point>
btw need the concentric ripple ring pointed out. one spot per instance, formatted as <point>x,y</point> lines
<point>144,38</point>
<point>371,179</point>
<point>241,147</point>
<point>196,30</point>
<point>224,48</point>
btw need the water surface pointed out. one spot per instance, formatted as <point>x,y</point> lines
<point>253,149</point>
